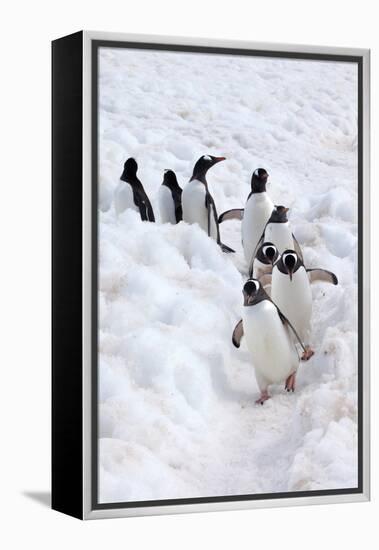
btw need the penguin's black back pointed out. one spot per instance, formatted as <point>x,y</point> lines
<point>140,198</point>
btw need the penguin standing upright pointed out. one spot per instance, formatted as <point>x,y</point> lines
<point>170,199</point>
<point>255,215</point>
<point>291,292</point>
<point>130,193</point>
<point>198,204</point>
<point>278,232</point>
<point>270,338</point>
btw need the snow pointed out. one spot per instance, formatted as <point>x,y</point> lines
<point>176,400</point>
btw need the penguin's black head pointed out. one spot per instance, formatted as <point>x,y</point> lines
<point>279,214</point>
<point>203,164</point>
<point>267,253</point>
<point>169,178</point>
<point>250,291</point>
<point>130,167</point>
<point>290,260</point>
<point>259,180</point>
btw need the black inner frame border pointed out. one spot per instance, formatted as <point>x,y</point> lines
<point>95,45</point>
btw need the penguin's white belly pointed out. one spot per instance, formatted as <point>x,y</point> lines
<point>280,235</point>
<point>294,299</point>
<point>273,352</point>
<point>166,205</point>
<point>123,198</point>
<point>257,211</point>
<point>194,209</point>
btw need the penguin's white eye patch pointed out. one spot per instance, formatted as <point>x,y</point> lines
<point>256,173</point>
<point>207,157</point>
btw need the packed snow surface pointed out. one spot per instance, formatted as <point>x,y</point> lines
<point>176,400</point>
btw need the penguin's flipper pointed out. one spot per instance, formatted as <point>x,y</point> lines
<point>287,323</point>
<point>251,265</point>
<point>211,207</point>
<point>297,247</point>
<point>177,197</point>
<point>141,200</point>
<point>234,214</point>
<point>178,213</point>
<point>322,275</point>
<point>226,249</point>
<point>265,279</point>
<point>211,210</point>
<point>150,212</point>
<point>237,334</point>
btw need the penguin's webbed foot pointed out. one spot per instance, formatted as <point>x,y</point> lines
<point>262,398</point>
<point>307,354</point>
<point>290,383</point>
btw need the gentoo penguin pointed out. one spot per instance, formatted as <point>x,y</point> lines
<point>265,257</point>
<point>270,338</point>
<point>278,231</point>
<point>170,199</point>
<point>198,204</point>
<point>255,215</point>
<point>130,193</point>
<point>291,292</point>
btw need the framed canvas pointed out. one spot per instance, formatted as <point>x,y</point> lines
<point>210,275</point>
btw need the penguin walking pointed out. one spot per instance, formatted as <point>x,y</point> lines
<point>255,215</point>
<point>198,204</point>
<point>271,340</point>
<point>170,199</point>
<point>265,257</point>
<point>291,292</point>
<point>130,193</point>
<point>277,231</point>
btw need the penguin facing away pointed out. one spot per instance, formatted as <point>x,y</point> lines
<point>291,292</point>
<point>170,199</point>
<point>265,257</point>
<point>271,340</point>
<point>130,193</point>
<point>197,202</point>
<point>255,215</point>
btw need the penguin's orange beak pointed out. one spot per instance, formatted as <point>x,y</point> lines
<point>218,159</point>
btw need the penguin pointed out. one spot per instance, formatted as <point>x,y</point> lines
<point>291,292</point>
<point>278,231</point>
<point>271,340</point>
<point>170,199</point>
<point>130,193</point>
<point>255,215</point>
<point>198,204</point>
<point>267,254</point>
